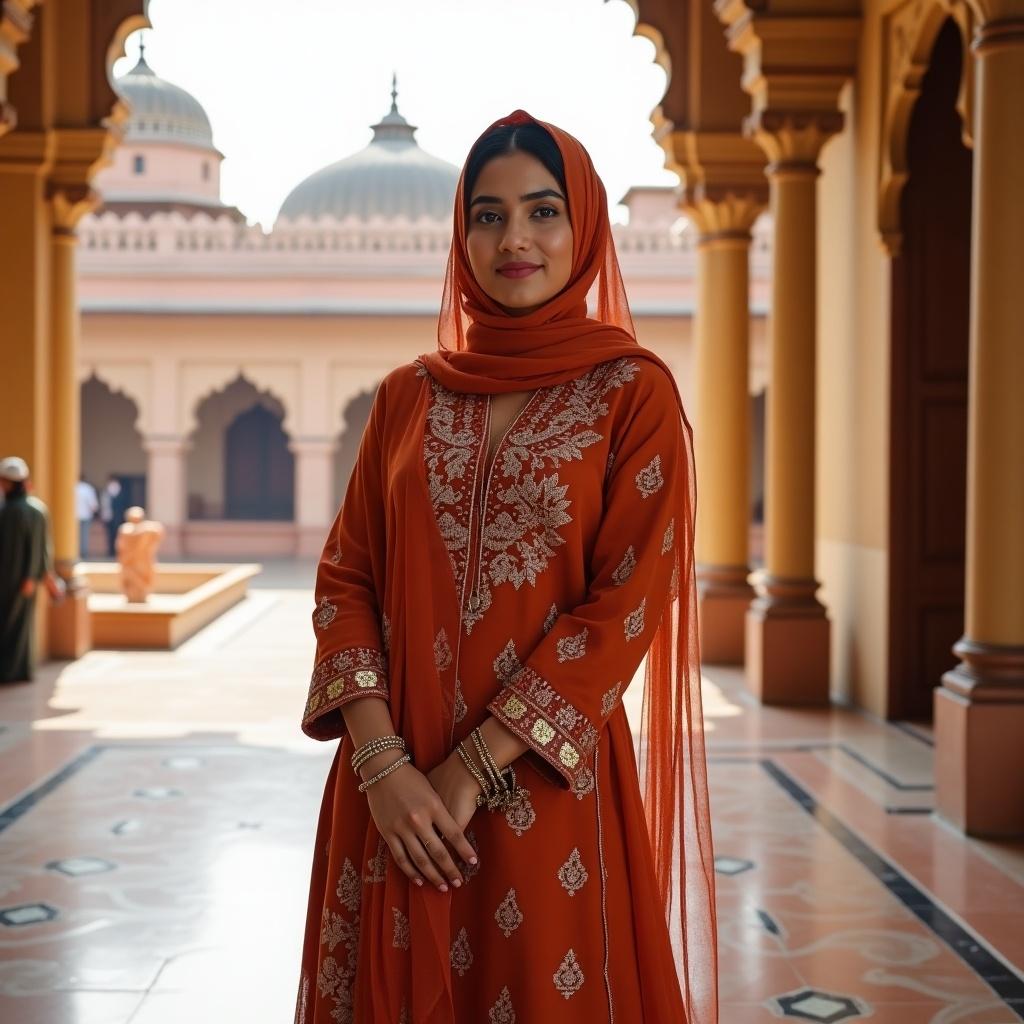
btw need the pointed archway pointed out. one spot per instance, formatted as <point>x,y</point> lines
<point>928,410</point>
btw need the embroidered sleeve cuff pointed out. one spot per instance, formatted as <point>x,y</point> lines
<point>531,708</point>
<point>339,678</point>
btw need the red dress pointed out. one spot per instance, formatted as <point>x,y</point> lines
<point>562,558</point>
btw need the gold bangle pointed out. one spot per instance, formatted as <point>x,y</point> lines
<point>490,765</point>
<point>485,789</point>
<point>363,786</point>
<point>374,747</point>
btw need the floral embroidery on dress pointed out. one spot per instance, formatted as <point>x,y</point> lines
<point>633,623</point>
<point>342,676</point>
<point>502,1012</point>
<point>625,568</point>
<point>609,699</point>
<point>572,647</point>
<point>537,713</point>
<point>336,555</point>
<point>400,938</point>
<point>508,915</point>
<point>378,863</point>
<point>583,783</point>
<point>649,480</point>
<point>507,663</point>
<point>568,978</point>
<point>670,536</point>
<point>325,613</point>
<point>442,650</point>
<point>461,954</point>
<point>525,509</point>
<point>335,980</point>
<point>460,709</point>
<point>572,874</point>
<point>550,620</point>
<point>349,889</point>
<point>673,583</point>
<point>521,815</point>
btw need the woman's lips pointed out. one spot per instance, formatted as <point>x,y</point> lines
<point>514,271</point>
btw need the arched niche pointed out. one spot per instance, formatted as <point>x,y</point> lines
<point>909,33</point>
<point>111,440</point>
<point>239,465</point>
<point>200,380</point>
<point>354,416</point>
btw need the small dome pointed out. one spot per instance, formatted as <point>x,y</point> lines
<point>391,177</point>
<point>160,110</point>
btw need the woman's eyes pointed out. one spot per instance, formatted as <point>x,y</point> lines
<point>540,209</point>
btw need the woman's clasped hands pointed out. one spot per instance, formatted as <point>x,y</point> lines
<point>416,814</point>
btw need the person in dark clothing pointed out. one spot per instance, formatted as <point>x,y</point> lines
<point>25,560</point>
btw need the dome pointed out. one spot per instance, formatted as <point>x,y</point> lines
<point>391,177</point>
<point>160,110</point>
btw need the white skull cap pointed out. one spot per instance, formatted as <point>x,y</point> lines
<point>14,468</point>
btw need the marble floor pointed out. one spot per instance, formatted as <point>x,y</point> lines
<point>157,813</point>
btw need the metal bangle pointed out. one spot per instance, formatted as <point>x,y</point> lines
<point>405,758</point>
<point>490,765</point>
<point>373,747</point>
<point>485,789</point>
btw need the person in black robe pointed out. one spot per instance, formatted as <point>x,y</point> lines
<point>25,561</point>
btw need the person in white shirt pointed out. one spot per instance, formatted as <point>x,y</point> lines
<point>110,511</point>
<point>86,506</point>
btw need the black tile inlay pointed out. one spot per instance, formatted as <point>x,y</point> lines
<point>906,787</point>
<point>769,922</point>
<point>987,965</point>
<point>12,812</point>
<point>804,1006</point>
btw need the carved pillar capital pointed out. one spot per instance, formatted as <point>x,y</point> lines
<point>792,139</point>
<point>724,187</point>
<point>794,67</point>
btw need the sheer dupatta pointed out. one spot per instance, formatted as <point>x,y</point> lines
<point>483,350</point>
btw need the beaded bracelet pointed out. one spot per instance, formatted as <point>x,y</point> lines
<point>373,747</point>
<point>485,789</point>
<point>504,792</point>
<point>487,760</point>
<point>363,786</point>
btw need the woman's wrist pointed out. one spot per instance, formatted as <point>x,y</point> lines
<point>378,762</point>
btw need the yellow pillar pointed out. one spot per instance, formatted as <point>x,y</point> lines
<point>70,628</point>
<point>722,434</point>
<point>979,709</point>
<point>787,631</point>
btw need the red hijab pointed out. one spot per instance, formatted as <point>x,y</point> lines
<point>482,349</point>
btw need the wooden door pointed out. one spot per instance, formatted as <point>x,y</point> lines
<point>928,467</point>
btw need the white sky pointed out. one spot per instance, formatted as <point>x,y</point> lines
<point>290,87</point>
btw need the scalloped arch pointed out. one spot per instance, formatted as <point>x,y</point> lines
<point>661,125</point>
<point>200,381</point>
<point>131,380</point>
<point>908,35</point>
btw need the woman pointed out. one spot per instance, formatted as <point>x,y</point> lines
<point>517,531</point>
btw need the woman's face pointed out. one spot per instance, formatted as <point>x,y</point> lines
<point>518,235</point>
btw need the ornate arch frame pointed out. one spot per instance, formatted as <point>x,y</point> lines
<point>909,30</point>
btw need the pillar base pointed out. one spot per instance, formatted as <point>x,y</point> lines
<point>787,640</point>
<point>979,722</point>
<point>723,596</point>
<point>70,628</point>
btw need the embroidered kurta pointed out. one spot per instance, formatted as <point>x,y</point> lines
<point>555,596</point>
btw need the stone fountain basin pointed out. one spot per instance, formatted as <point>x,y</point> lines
<point>185,598</point>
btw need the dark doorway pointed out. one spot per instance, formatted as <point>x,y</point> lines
<point>259,469</point>
<point>928,464</point>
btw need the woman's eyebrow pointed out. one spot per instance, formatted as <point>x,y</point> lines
<point>543,193</point>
